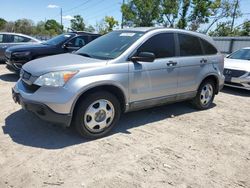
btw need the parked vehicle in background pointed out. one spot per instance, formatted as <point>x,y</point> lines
<point>237,69</point>
<point>12,39</point>
<point>122,71</point>
<point>18,55</point>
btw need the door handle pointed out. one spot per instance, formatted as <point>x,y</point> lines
<point>171,63</point>
<point>203,60</point>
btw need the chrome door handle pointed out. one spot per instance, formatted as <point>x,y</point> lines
<point>171,63</point>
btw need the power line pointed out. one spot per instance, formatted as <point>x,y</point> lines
<point>102,10</point>
<point>91,6</point>
<point>77,6</point>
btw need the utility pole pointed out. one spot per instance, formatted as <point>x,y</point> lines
<point>234,14</point>
<point>61,20</point>
<point>123,1</point>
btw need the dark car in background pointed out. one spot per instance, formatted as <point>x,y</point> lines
<point>17,56</point>
<point>12,39</point>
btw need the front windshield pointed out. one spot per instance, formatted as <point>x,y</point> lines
<point>110,45</point>
<point>241,54</point>
<point>58,39</point>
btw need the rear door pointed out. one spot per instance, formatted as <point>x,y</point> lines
<point>193,63</point>
<point>152,80</point>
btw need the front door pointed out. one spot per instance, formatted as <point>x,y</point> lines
<point>157,79</point>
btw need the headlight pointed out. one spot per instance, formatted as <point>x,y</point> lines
<point>20,54</point>
<point>55,79</point>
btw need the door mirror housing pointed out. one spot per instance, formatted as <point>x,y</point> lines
<point>144,57</point>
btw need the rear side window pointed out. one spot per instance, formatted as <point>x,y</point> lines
<point>21,39</point>
<point>1,38</point>
<point>189,45</point>
<point>208,48</point>
<point>9,38</point>
<point>162,45</point>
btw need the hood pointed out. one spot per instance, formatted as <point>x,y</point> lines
<point>237,64</point>
<point>27,47</point>
<point>61,62</point>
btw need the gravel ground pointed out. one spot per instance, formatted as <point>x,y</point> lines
<point>168,146</point>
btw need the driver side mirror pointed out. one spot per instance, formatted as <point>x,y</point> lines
<point>144,57</point>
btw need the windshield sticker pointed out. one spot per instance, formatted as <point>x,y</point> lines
<point>67,36</point>
<point>127,34</point>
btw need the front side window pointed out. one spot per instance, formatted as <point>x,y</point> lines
<point>162,45</point>
<point>111,45</point>
<point>189,45</point>
<point>78,41</point>
<point>209,49</point>
<point>241,54</point>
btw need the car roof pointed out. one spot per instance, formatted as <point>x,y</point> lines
<point>152,29</point>
<point>84,33</point>
<point>248,48</point>
<point>19,34</point>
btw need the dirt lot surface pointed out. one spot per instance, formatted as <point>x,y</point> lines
<point>169,146</point>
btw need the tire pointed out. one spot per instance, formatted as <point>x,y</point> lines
<point>97,114</point>
<point>205,95</point>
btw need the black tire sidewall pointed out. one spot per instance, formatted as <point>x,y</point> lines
<point>197,99</point>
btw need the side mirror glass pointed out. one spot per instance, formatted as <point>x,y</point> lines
<point>144,57</point>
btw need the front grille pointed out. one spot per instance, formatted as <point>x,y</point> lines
<point>233,73</point>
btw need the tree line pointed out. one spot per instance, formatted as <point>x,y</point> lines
<point>51,27</point>
<point>195,15</point>
<point>213,17</point>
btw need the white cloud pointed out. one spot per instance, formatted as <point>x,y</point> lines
<point>52,6</point>
<point>68,17</point>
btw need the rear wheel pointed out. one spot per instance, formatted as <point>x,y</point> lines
<point>97,114</point>
<point>205,95</point>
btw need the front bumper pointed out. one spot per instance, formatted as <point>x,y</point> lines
<point>41,110</point>
<point>241,83</point>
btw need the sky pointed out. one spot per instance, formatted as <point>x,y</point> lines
<point>91,10</point>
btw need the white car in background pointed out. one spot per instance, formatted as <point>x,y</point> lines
<point>237,69</point>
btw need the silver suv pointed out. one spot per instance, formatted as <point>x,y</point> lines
<point>122,71</point>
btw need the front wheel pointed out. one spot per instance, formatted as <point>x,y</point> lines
<point>97,114</point>
<point>205,95</point>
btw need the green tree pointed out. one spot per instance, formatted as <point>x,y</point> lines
<point>182,23</point>
<point>90,29</point>
<point>53,27</point>
<point>9,27</point>
<point>141,13</point>
<point>221,9</point>
<point>169,12</point>
<point>24,26</point>
<point>199,14</point>
<point>2,23</point>
<point>110,23</point>
<point>224,29</point>
<point>245,30</point>
<point>77,23</point>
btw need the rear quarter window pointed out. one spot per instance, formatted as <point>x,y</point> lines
<point>209,49</point>
<point>189,45</point>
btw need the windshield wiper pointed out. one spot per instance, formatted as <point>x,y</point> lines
<point>84,54</point>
